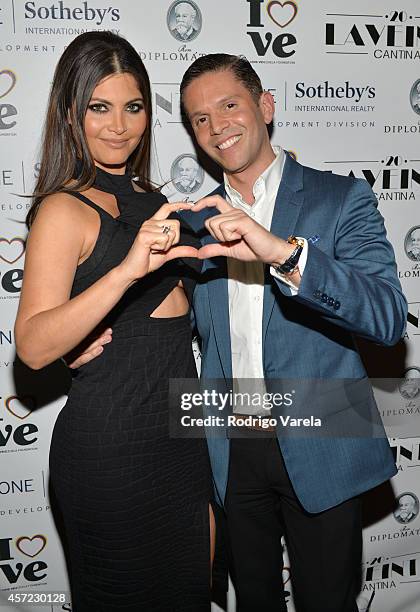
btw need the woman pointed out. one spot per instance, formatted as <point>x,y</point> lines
<point>135,502</point>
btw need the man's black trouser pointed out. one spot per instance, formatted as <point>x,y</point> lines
<point>324,549</point>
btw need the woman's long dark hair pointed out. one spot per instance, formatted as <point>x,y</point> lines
<point>89,58</point>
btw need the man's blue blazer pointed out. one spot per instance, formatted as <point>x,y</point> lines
<point>349,288</point>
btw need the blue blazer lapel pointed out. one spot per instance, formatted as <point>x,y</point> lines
<point>215,272</point>
<point>287,208</point>
<point>219,301</point>
<point>219,309</point>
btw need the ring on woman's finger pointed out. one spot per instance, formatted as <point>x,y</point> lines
<point>166,229</point>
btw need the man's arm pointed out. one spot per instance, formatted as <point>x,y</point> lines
<point>358,288</point>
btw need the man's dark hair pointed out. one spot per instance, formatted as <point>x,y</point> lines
<point>239,66</point>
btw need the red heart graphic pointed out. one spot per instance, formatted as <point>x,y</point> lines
<point>284,18</point>
<point>31,547</point>
<point>20,249</point>
<point>12,77</point>
<point>23,407</point>
<point>285,575</point>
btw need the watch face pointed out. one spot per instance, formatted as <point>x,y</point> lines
<point>295,240</point>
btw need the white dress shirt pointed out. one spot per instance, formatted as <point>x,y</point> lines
<point>246,288</point>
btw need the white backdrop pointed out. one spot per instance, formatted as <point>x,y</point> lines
<point>345,80</point>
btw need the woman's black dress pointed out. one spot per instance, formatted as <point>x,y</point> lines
<point>134,501</point>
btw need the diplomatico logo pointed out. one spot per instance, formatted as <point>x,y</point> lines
<point>409,386</point>
<point>270,29</point>
<point>406,408</point>
<point>413,102</point>
<point>393,178</point>
<point>415,97</point>
<point>186,173</point>
<point>402,415</point>
<point>407,457</point>
<point>22,561</point>
<point>392,35</point>
<point>412,252</point>
<point>17,432</point>
<point>8,111</point>
<point>187,177</point>
<point>385,573</point>
<point>11,274</point>
<point>407,509</point>
<point>184,22</point>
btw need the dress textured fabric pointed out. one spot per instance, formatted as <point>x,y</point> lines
<point>134,500</point>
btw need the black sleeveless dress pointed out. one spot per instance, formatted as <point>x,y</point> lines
<point>134,501</point>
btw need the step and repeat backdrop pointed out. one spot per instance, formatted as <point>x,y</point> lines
<point>346,81</point>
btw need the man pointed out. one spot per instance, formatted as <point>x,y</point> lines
<point>406,511</point>
<point>413,247</point>
<point>267,308</point>
<point>410,384</point>
<point>185,15</point>
<point>416,100</point>
<point>187,179</point>
<point>277,309</point>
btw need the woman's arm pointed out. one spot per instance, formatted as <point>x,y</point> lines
<point>49,324</point>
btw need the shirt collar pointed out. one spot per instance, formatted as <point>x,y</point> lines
<point>268,181</point>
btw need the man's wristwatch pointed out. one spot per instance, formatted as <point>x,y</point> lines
<point>290,265</point>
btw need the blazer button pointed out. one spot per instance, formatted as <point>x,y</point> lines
<point>317,293</point>
<point>330,301</point>
<point>324,298</point>
<point>337,304</point>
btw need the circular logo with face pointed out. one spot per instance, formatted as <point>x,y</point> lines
<point>409,386</point>
<point>412,243</point>
<point>415,97</point>
<point>186,174</point>
<point>408,508</point>
<point>184,20</point>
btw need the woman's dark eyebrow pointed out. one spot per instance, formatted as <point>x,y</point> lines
<point>110,103</point>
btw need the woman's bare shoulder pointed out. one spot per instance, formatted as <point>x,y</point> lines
<point>62,203</point>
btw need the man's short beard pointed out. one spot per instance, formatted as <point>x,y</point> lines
<point>182,29</point>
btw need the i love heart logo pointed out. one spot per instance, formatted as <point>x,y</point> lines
<point>20,407</point>
<point>11,250</point>
<point>7,82</point>
<point>282,13</point>
<point>31,547</point>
